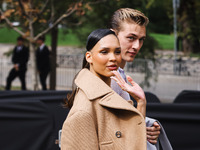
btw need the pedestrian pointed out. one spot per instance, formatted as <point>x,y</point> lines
<point>130,27</point>
<point>99,118</point>
<point>20,58</point>
<point>43,61</point>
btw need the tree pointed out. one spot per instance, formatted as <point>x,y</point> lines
<point>189,25</point>
<point>100,16</point>
<point>38,18</point>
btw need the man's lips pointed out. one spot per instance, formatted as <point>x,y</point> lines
<point>132,53</point>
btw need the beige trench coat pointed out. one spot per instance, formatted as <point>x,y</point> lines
<point>101,119</point>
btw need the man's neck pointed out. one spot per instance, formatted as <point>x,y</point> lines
<point>123,63</point>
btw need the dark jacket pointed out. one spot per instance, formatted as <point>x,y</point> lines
<point>20,57</point>
<point>42,59</point>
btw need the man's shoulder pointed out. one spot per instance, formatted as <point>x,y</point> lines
<point>25,48</point>
<point>46,47</point>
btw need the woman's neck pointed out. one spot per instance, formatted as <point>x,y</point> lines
<point>107,80</point>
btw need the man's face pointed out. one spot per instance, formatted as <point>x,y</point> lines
<point>39,42</point>
<point>131,38</point>
<point>19,42</point>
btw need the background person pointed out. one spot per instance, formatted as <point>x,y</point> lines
<point>20,58</point>
<point>43,61</point>
<point>99,118</point>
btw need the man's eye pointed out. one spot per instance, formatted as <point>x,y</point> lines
<point>131,38</point>
<point>142,39</point>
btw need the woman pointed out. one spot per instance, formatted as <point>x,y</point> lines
<point>99,118</point>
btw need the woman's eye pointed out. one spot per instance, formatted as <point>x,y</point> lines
<point>118,52</point>
<point>103,52</point>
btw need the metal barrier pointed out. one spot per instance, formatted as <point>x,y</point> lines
<point>160,75</point>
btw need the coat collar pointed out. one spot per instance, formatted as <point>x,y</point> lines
<point>94,88</point>
<point>92,85</point>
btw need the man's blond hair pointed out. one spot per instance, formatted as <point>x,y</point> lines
<point>127,15</point>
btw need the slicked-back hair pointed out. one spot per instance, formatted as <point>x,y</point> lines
<point>92,40</point>
<point>128,15</point>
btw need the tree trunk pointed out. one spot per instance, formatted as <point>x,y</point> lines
<point>33,57</point>
<point>54,39</point>
<point>189,31</point>
<point>33,63</point>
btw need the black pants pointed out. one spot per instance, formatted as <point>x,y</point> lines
<point>13,74</point>
<point>43,76</point>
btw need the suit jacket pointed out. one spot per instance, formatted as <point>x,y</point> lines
<point>162,140</point>
<point>42,59</point>
<point>101,119</point>
<point>20,57</point>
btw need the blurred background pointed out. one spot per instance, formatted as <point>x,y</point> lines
<point>167,63</point>
<point>167,66</point>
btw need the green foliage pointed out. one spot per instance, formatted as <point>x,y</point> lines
<point>158,13</point>
<point>70,39</point>
<point>164,41</point>
<point>8,35</point>
<point>189,25</point>
<point>195,55</point>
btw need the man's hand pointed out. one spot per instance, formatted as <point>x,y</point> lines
<point>16,66</point>
<point>153,133</point>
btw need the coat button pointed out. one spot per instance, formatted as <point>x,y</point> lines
<point>118,134</point>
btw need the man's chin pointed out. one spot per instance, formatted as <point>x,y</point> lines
<point>130,59</point>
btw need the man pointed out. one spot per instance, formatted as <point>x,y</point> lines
<point>130,27</point>
<point>19,59</point>
<point>43,62</point>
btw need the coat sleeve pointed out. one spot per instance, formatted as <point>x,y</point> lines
<point>163,139</point>
<point>79,133</point>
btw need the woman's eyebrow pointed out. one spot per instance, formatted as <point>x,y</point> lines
<point>105,48</point>
<point>118,48</point>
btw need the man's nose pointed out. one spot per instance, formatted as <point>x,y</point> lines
<point>136,44</point>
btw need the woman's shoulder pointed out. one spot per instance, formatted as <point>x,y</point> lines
<point>82,102</point>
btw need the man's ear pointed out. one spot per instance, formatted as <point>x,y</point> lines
<point>88,56</point>
<point>114,31</point>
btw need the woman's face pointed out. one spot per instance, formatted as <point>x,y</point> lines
<point>105,56</point>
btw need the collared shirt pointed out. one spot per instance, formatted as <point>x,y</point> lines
<point>19,48</point>
<point>42,46</point>
<point>117,88</point>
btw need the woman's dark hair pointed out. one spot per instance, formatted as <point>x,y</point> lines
<point>92,40</point>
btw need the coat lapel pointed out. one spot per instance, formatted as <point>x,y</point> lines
<point>95,88</point>
<point>114,101</point>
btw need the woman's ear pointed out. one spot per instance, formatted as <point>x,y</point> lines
<point>88,56</point>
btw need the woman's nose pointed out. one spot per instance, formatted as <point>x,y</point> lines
<point>112,57</point>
